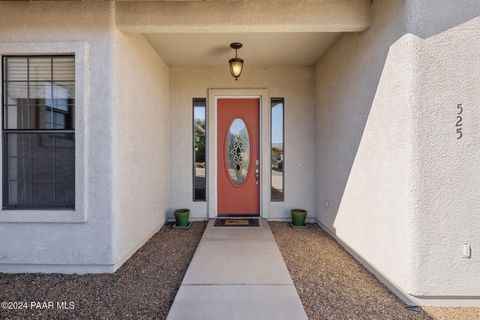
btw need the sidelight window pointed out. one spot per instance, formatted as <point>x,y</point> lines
<point>277,154</point>
<point>199,149</point>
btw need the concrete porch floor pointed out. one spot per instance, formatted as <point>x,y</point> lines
<point>237,273</point>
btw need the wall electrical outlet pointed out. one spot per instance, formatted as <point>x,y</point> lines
<point>466,250</point>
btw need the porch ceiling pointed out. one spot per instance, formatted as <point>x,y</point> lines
<point>301,49</point>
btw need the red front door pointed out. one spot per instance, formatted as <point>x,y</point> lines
<point>238,157</point>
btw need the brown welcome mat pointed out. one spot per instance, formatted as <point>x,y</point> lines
<point>236,223</point>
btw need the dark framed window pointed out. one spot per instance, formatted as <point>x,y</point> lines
<point>38,132</point>
<point>277,147</point>
<point>199,129</point>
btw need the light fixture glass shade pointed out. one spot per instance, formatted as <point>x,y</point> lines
<point>236,67</point>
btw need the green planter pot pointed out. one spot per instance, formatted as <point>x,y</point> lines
<point>181,217</point>
<point>298,217</point>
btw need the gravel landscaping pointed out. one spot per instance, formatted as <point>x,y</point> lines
<point>143,288</point>
<point>331,284</point>
<point>466,313</point>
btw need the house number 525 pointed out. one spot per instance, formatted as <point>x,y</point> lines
<point>459,122</point>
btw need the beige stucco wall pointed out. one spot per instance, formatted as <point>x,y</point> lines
<point>140,143</point>
<point>447,175</point>
<point>402,190</point>
<point>295,84</point>
<point>82,246</point>
<point>124,135</point>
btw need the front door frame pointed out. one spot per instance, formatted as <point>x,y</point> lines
<point>213,96</point>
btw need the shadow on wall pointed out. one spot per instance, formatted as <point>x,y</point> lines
<point>359,81</point>
<point>385,100</point>
<point>348,78</point>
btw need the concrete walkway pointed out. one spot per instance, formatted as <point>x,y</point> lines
<point>237,273</point>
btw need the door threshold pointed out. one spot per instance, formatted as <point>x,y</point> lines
<point>238,216</point>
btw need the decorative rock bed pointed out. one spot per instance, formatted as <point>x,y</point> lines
<point>333,285</point>
<point>143,288</point>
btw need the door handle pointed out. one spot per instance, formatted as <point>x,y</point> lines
<point>257,175</point>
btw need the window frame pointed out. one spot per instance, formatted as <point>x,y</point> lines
<point>282,100</point>
<point>6,131</point>
<point>86,92</point>
<point>204,100</point>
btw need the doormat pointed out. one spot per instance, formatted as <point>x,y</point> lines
<point>236,223</point>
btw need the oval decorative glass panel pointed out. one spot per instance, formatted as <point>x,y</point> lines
<point>238,151</point>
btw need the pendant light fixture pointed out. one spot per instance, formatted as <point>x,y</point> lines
<point>236,64</point>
